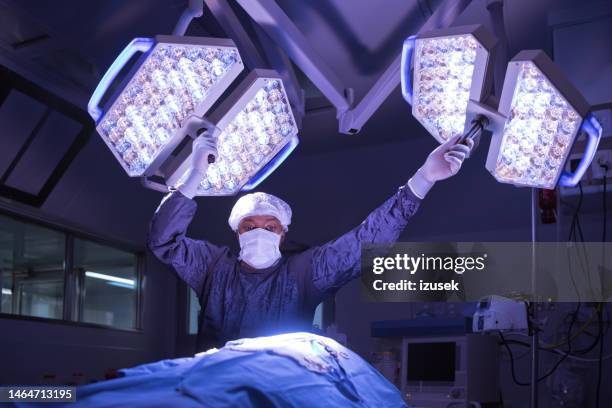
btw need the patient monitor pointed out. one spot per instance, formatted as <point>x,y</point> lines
<point>438,371</point>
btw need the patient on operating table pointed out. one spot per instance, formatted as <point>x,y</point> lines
<point>260,291</point>
<point>288,370</point>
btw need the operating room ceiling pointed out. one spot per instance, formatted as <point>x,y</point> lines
<point>66,45</point>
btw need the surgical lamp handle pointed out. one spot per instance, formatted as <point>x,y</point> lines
<point>593,130</point>
<point>479,124</point>
<point>405,72</point>
<point>136,45</point>
<point>272,165</point>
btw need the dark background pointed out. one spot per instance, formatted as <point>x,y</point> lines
<point>331,181</point>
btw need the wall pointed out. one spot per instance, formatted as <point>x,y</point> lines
<point>96,197</point>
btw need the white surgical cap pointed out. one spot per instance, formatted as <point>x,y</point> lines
<point>260,204</point>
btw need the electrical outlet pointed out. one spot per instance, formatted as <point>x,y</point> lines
<point>602,157</point>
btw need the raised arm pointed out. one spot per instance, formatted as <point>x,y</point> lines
<point>337,262</point>
<point>192,259</point>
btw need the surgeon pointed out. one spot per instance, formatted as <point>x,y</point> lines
<point>261,291</point>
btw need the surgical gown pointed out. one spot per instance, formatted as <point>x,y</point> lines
<point>237,302</point>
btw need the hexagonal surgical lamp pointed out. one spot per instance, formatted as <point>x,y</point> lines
<point>174,78</point>
<point>441,71</point>
<point>256,132</point>
<point>163,101</point>
<point>543,114</point>
<point>446,77</point>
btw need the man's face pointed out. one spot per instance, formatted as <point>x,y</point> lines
<point>266,222</point>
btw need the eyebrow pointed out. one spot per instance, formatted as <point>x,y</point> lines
<point>266,219</point>
<point>249,220</point>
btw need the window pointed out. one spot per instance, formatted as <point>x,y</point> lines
<point>52,274</point>
<point>31,269</point>
<point>107,291</point>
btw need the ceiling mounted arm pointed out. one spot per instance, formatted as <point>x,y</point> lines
<point>496,16</point>
<point>352,120</point>
<point>273,20</point>
<point>195,9</point>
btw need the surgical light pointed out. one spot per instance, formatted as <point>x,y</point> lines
<point>256,132</point>
<point>450,67</point>
<point>175,77</point>
<point>544,115</point>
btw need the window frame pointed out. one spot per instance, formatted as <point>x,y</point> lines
<point>10,81</point>
<point>71,281</point>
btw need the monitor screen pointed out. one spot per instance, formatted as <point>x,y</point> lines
<point>431,362</point>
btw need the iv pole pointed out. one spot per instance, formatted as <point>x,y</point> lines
<point>496,15</point>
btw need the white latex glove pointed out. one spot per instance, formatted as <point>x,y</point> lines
<point>442,163</point>
<point>203,152</point>
<point>203,146</point>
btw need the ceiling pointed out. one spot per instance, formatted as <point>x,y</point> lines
<point>66,45</point>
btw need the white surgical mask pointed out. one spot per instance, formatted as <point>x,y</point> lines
<point>259,248</point>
